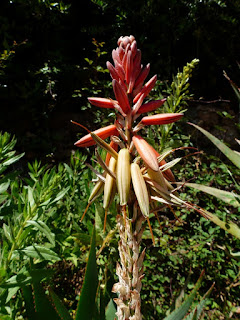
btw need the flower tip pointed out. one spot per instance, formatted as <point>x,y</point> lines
<point>78,143</point>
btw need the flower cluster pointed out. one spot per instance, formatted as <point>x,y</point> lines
<point>132,168</point>
<point>128,77</point>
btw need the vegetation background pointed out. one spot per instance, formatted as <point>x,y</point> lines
<point>53,56</point>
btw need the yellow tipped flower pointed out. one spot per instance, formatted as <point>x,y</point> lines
<point>140,189</point>
<point>96,191</point>
<point>110,184</point>
<point>123,175</point>
<point>158,177</point>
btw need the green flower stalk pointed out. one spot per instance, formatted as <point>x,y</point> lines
<point>136,173</point>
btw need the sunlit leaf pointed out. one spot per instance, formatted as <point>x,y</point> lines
<point>39,252</point>
<point>226,196</point>
<point>230,154</point>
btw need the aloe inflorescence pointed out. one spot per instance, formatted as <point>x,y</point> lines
<point>133,169</point>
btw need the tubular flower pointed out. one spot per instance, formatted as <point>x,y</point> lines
<point>164,118</point>
<point>139,180</point>
<point>103,133</point>
<point>102,102</point>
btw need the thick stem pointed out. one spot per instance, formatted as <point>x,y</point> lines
<point>130,269</point>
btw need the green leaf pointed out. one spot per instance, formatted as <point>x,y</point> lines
<point>230,154</point>
<point>7,232</point>
<point>40,252</point>
<point>4,186</point>
<point>59,196</point>
<point>86,239</point>
<point>226,196</point>
<point>59,306</point>
<point>197,312</point>
<point>12,160</point>
<point>29,301</point>
<point>86,305</point>
<point>41,226</point>
<point>30,196</point>
<point>228,226</point>
<point>19,280</point>
<point>111,311</point>
<point>180,312</point>
<point>10,293</point>
<point>24,278</point>
<point>5,317</point>
<point>43,306</point>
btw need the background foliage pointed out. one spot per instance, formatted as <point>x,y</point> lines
<point>52,58</point>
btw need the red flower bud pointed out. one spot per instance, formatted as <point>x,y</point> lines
<point>146,152</point>
<point>143,75</point>
<point>102,102</point>
<point>163,118</point>
<point>151,106</point>
<point>121,96</point>
<point>114,74</point>
<point>146,89</point>
<point>103,133</point>
<point>167,173</point>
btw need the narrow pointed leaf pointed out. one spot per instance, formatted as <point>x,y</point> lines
<point>226,196</point>
<point>230,154</point>
<point>59,306</point>
<point>228,226</point>
<point>29,301</point>
<point>104,145</point>
<point>43,306</point>
<point>41,226</point>
<point>4,186</point>
<point>180,312</point>
<point>86,304</point>
<point>199,308</point>
<point>12,160</point>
